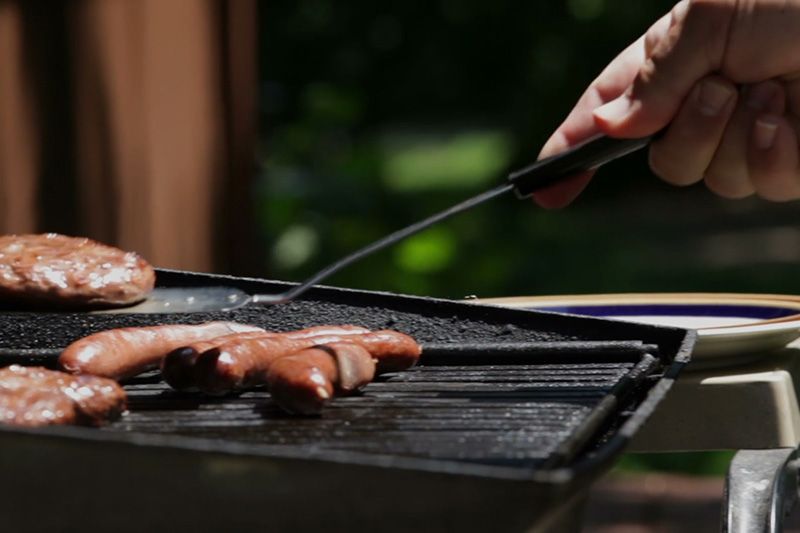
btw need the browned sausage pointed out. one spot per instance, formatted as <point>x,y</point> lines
<point>320,331</point>
<point>244,362</point>
<point>178,367</point>
<point>394,351</point>
<point>355,364</point>
<point>125,352</point>
<point>303,383</point>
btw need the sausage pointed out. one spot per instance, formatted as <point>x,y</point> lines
<point>178,367</point>
<point>125,352</point>
<point>245,362</point>
<point>306,381</point>
<point>319,331</point>
<point>303,382</point>
<point>394,351</point>
<point>355,364</point>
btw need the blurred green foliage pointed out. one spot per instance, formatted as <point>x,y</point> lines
<point>695,463</point>
<point>376,114</point>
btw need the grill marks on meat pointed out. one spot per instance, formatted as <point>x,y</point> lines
<point>33,396</point>
<point>125,352</point>
<point>56,270</point>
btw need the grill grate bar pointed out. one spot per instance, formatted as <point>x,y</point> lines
<point>492,414</point>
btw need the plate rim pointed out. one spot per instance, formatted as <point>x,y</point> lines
<point>765,300</point>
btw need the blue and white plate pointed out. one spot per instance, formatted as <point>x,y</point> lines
<point>730,326</point>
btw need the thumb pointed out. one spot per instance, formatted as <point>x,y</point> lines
<point>678,55</point>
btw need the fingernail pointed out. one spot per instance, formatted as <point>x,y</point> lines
<point>615,110</point>
<point>759,96</point>
<point>713,96</point>
<point>764,134</point>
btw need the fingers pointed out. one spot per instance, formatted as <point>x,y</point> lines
<point>563,193</point>
<point>741,144</point>
<point>679,55</point>
<point>773,158</point>
<point>580,125</point>
<point>687,148</point>
<point>728,175</point>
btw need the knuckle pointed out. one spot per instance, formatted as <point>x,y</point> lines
<point>776,196</point>
<point>710,22</point>
<point>778,188</point>
<point>666,166</point>
<point>726,187</point>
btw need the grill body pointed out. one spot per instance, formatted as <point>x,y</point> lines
<point>462,442</point>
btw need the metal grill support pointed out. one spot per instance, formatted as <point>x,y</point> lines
<point>760,490</point>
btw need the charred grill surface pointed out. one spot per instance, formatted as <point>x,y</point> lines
<point>502,415</point>
<point>532,411</point>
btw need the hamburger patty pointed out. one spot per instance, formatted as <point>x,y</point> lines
<point>53,269</point>
<point>33,396</point>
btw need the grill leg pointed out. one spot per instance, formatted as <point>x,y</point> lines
<point>760,490</point>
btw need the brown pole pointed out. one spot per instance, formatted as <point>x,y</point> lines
<point>160,101</point>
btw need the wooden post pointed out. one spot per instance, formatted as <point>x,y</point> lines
<point>145,129</point>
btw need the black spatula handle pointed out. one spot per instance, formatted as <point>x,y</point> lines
<point>586,156</point>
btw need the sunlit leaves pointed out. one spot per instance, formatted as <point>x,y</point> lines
<point>430,251</point>
<point>295,246</point>
<point>419,162</point>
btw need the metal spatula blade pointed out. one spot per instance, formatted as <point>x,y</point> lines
<point>524,182</point>
<point>186,300</point>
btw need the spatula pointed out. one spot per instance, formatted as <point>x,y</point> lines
<point>523,182</point>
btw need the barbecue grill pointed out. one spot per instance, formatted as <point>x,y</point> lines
<point>508,418</point>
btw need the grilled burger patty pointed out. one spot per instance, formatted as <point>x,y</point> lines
<point>33,396</point>
<point>66,271</point>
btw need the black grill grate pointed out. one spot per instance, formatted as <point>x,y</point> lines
<point>510,414</point>
<point>486,418</point>
<point>555,387</point>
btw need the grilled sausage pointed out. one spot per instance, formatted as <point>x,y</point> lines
<point>125,352</point>
<point>393,351</point>
<point>178,367</point>
<point>355,364</point>
<point>243,363</point>
<point>305,381</point>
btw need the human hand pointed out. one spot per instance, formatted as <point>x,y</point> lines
<point>724,76</point>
